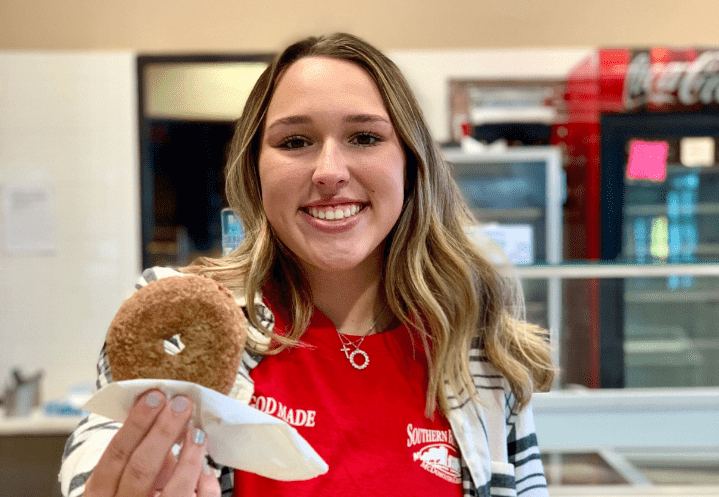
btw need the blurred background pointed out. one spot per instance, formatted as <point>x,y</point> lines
<point>583,135</point>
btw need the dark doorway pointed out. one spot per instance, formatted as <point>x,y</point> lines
<point>183,154</point>
<point>186,161</point>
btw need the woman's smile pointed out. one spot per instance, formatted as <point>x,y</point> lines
<point>334,212</point>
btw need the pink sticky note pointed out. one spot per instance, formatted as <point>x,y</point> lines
<point>647,160</point>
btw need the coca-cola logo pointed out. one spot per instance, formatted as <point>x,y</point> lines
<point>671,84</point>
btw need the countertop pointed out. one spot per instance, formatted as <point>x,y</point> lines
<point>37,423</point>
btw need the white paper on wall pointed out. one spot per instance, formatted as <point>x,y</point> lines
<point>28,219</point>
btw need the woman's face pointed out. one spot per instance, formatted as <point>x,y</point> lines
<point>331,166</point>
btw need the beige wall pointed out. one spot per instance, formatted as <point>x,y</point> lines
<point>68,123</point>
<point>242,25</point>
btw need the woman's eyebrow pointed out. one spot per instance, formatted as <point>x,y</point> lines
<point>290,120</point>
<point>352,118</point>
<point>366,118</point>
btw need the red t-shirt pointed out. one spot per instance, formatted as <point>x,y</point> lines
<point>368,425</point>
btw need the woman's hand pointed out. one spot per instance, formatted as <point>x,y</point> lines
<point>139,459</point>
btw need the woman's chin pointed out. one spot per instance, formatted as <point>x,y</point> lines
<point>335,266</point>
<point>337,263</point>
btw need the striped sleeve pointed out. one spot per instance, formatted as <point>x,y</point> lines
<point>82,452</point>
<point>87,443</point>
<point>523,451</point>
<point>487,469</point>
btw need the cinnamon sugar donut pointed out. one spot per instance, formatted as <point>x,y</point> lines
<point>185,328</point>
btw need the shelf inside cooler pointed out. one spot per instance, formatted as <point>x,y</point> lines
<point>678,168</point>
<point>704,252</point>
<point>661,345</point>
<point>664,296</point>
<point>658,291</point>
<point>699,209</point>
<point>661,355</point>
<point>528,213</point>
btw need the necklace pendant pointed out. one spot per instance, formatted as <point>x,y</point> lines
<point>354,362</point>
<point>346,350</point>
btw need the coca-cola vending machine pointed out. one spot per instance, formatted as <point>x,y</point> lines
<point>642,163</point>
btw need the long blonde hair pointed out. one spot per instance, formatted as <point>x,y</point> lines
<point>434,277</point>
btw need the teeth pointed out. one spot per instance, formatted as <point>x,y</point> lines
<point>334,214</point>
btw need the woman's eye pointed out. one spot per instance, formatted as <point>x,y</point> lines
<point>294,142</point>
<point>365,139</point>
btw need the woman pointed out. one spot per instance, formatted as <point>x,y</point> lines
<point>373,314</point>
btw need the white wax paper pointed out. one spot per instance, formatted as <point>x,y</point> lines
<point>238,435</point>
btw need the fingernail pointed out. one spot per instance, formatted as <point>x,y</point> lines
<point>198,436</point>
<point>179,404</point>
<point>153,399</point>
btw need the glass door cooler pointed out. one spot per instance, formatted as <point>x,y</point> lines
<point>641,145</point>
<point>671,216</point>
<point>516,195</point>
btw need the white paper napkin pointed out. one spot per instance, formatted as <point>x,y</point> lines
<point>238,435</point>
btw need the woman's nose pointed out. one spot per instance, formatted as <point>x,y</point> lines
<point>331,169</point>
